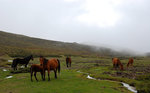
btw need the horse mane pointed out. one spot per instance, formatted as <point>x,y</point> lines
<point>28,57</point>
<point>45,61</point>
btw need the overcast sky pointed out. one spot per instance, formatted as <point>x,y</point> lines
<point>117,23</point>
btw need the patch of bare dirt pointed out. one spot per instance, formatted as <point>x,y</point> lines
<point>131,73</point>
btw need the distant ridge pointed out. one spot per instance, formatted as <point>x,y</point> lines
<point>20,45</point>
<point>16,45</point>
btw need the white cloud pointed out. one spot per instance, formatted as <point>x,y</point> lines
<point>102,13</point>
<point>70,0</point>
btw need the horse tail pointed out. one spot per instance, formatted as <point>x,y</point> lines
<point>58,66</point>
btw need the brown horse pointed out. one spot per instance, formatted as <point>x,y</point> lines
<point>52,64</point>
<point>130,62</point>
<point>68,61</point>
<point>36,68</point>
<point>117,63</point>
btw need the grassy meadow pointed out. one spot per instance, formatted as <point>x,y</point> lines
<point>71,81</point>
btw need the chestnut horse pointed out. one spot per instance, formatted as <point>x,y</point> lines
<point>117,63</point>
<point>36,68</point>
<point>51,64</point>
<point>68,61</point>
<point>130,62</point>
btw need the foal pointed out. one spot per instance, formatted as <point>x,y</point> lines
<point>36,68</point>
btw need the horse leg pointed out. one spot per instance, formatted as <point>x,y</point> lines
<point>48,74</point>
<point>31,75</point>
<point>114,66</point>
<point>16,67</point>
<point>55,71</point>
<point>70,64</point>
<point>42,75</point>
<point>67,64</point>
<point>35,76</point>
<point>132,64</point>
<point>117,65</point>
<point>25,65</point>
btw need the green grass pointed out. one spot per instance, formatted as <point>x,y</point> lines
<point>140,79</point>
<point>68,82</point>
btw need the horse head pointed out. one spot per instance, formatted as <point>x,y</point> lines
<point>31,57</point>
<point>41,60</point>
<point>45,61</point>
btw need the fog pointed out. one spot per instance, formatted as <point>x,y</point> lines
<point>118,24</point>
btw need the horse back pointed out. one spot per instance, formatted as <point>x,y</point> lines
<point>131,60</point>
<point>52,63</point>
<point>36,67</point>
<point>115,60</point>
<point>68,59</point>
<point>21,61</point>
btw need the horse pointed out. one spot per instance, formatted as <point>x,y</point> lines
<point>68,61</point>
<point>51,64</point>
<point>117,63</point>
<point>36,68</point>
<point>21,61</point>
<point>130,62</point>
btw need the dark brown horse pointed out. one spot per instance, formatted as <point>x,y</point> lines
<point>68,61</point>
<point>36,68</point>
<point>22,61</point>
<point>52,64</point>
<point>130,62</point>
<point>117,63</point>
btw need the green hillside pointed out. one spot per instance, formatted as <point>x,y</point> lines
<point>16,45</point>
<point>19,45</point>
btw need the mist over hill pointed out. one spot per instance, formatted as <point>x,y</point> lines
<point>19,45</point>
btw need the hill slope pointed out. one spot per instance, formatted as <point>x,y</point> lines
<point>19,45</point>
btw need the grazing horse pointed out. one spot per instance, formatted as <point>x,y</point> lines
<point>130,62</point>
<point>51,64</point>
<point>68,61</point>
<point>117,63</point>
<point>36,68</point>
<point>21,61</point>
